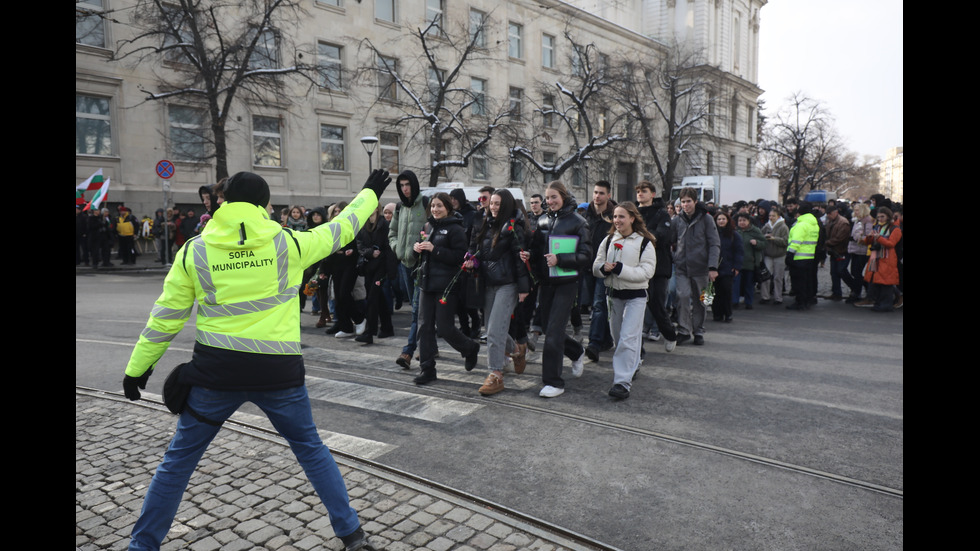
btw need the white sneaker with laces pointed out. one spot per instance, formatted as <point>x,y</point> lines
<point>578,366</point>
<point>550,392</point>
<point>344,335</point>
<point>669,345</point>
<point>360,327</point>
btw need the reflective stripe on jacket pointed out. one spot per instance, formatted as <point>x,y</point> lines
<point>244,272</point>
<point>803,237</point>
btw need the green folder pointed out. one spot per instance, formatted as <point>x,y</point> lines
<point>558,244</point>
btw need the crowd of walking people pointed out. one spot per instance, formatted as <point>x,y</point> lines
<point>495,277</point>
<point>490,280</point>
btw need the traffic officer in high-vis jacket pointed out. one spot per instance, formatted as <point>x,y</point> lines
<point>244,272</point>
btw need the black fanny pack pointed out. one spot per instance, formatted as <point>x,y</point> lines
<point>175,395</point>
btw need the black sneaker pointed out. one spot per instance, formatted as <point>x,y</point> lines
<point>592,353</point>
<point>699,340</point>
<point>619,392</point>
<point>366,338</point>
<point>682,338</point>
<point>358,541</point>
<point>425,377</point>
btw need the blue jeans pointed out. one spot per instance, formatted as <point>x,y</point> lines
<point>290,413</point>
<point>405,274</point>
<point>599,337</point>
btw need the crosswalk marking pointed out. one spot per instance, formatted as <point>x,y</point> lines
<point>345,443</point>
<point>395,402</point>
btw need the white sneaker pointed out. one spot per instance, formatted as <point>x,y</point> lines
<point>551,392</point>
<point>669,345</point>
<point>653,336</point>
<point>360,327</point>
<point>578,366</point>
<point>344,335</point>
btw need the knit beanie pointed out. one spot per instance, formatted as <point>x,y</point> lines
<point>247,187</point>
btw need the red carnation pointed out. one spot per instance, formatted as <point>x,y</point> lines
<point>618,246</point>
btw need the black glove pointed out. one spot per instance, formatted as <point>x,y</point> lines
<point>130,385</point>
<point>377,182</point>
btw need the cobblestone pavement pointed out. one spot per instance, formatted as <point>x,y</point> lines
<point>249,492</point>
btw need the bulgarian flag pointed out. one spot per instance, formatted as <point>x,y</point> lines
<point>94,182</point>
<point>98,197</point>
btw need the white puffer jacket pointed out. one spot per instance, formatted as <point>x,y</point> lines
<point>637,269</point>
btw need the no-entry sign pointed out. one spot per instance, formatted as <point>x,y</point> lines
<point>165,169</point>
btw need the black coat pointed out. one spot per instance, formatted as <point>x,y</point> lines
<point>563,222</point>
<point>383,266</point>
<point>500,263</point>
<point>438,267</point>
<point>657,221</point>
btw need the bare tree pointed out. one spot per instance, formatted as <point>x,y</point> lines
<point>217,52</point>
<point>801,147</point>
<point>578,104</point>
<point>666,100</point>
<point>452,122</point>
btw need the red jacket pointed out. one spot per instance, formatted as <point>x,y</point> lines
<point>882,266</point>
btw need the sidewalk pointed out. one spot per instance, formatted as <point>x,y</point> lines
<point>249,492</point>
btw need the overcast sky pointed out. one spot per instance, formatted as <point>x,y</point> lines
<point>848,55</point>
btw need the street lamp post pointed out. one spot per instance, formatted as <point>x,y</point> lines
<point>369,143</point>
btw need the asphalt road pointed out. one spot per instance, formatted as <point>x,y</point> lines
<point>785,431</point>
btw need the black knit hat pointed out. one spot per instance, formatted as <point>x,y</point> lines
<point>247,187</point>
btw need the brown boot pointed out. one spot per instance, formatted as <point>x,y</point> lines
<point>404,360</point>
<point>520,358</point>
<point>493,384</point>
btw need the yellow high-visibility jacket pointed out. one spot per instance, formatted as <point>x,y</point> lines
<point>245,273</point>
<point>803,237</point>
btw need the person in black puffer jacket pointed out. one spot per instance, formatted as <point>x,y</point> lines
<point>497,246</point>
<point>377,264</point>
<point>558,292</point>
<point>441,250</point>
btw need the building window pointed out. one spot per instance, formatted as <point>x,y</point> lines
<point>387,87</point>
<point>478,33</point>
<point>385,10</point>
<point>548,51</point>
<point>515,46</point>
<point>516,103</point>
<point>603,115</point>
<point>516,171</point>
<point>266,52</point>
<point>333,144</point>
<point>434,84</point>
<point>266,141</point>
<point>547,109</point>
<point>329,65</point>
<point>389,152</point>
<point>748,167</point>
<point>188,140</point>
<point>480,171</point>
<point>709,163</point>
<point>89,24</point>
<point>336,3</point>
<point>578,61</point>
<point>548,161</point>
<point>176,20</point>
<point>434,10</point>
<point>734,117</point>
<point>478,87</point>
<point>731,165</point>
<point>93,126</point>
<point>647,172</point>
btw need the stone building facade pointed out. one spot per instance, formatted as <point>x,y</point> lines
<point>307,146</point>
